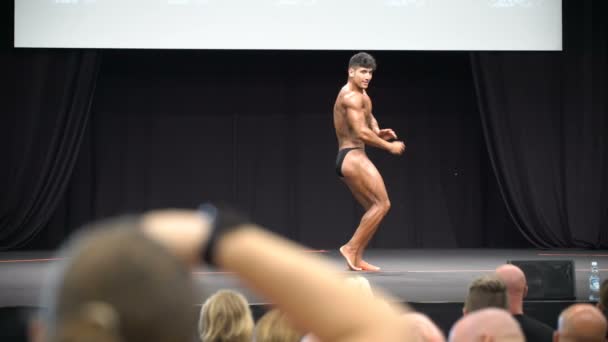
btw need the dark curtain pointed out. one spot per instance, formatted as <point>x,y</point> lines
<point>174,128</point>
<point>46,96</point>
<point>544,118</point>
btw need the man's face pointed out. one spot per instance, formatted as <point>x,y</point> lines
<point>361,76</point>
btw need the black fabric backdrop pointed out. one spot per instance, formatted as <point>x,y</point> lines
<point>545,121</point>
<point>255,128</point>
<point>46,96</point>
<point>174,128</point>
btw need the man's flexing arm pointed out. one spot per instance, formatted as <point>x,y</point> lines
<point>356,119</point>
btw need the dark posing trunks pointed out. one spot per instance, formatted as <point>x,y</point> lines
<point>341,154</point>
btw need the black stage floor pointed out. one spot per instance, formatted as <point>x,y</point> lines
<point>431,279</point>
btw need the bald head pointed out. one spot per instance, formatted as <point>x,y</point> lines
<point>489,324</point>
<point>581,323</point>
<point>515,281</point>
<point>513,277</point>
<point>426,330</point>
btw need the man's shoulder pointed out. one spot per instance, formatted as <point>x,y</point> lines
<point>534,327</point>
<point>352,98</point>
<point>530,319</point>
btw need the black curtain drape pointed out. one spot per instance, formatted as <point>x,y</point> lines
<point>254,128</point>
<point>46,99</point>
<point>545,121</point>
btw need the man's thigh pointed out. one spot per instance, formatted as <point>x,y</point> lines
<point>364,181</point>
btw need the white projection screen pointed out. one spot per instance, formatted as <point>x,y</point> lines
<point>291,24</point>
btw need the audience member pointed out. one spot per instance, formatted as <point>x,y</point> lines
<point>485,292</point>
<point>490,324</point>
<point>119,284</point>
<point>425,329</point>
<point>114,284</point>
<point>602,304</point>
<point>515,281</point>
<point>274,326</point>
<point>225,316</point>
<point>581,323</point>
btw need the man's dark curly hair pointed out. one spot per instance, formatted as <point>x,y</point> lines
<point>362,60</point>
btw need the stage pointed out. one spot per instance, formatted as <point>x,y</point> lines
<point>434,281</point>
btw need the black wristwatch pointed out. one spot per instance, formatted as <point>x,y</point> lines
<point>224,219</point>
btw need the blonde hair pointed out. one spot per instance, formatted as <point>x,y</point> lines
<point>274,327</point>
<point>225,316</point>
<point>486,291</point>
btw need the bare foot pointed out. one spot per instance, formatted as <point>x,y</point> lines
<point>368,267</point>
<point>349,257</point>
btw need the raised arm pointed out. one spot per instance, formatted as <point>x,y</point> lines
<point>306,288</point>
<point>355,115</point>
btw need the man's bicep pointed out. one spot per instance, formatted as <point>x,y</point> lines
<point>356,118</point>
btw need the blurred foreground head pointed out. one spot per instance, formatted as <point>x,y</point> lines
<point>581,322</point>
<point>426,329</point>
<point>490,324</point>
<point>114,284</point>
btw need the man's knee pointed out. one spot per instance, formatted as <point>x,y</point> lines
<point>385,205</point>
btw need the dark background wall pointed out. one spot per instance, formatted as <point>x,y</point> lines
<point>255,128</point>
<point>141,129</point>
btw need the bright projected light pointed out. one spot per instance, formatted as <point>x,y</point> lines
<point>291,24</point>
